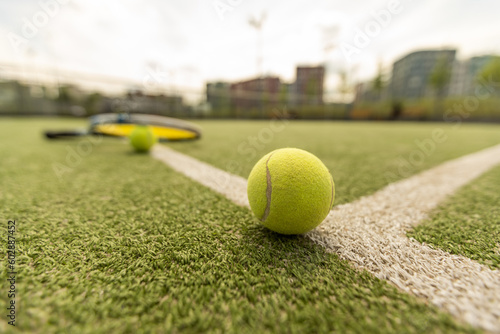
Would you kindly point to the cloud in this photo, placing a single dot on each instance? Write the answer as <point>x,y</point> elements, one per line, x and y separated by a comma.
<point>120,38</point>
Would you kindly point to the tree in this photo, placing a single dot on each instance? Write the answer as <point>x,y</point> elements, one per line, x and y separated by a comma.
<point>490,75</point>
<point>65,99</point>
<point>65,95</point>
<point>283,95</point>
<point>92,103</point>
<point>439,79</point>
<point>345,88</point>
<point>379,82</point>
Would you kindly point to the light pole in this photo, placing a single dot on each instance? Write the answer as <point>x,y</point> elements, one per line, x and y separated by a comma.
<point>257,24</point>
<point>330,34</point>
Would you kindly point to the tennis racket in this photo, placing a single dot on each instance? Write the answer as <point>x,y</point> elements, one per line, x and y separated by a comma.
<point>121,125</point>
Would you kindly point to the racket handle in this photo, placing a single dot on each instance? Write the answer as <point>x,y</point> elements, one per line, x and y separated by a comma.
<point>64,134</point>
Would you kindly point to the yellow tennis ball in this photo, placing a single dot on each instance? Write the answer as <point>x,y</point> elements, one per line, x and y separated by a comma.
<point>142,138</point>
<point>290,191</point>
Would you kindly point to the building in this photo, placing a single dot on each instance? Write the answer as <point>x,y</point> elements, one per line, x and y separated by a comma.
<point>366,92</point>
<point>287,95</point>
<point>17,98</point>
<point>465,74</point>
<point>258,96</point>
<point>411,77</point>
<point>309,85</point>
<point>137,101</point>
<point>12,95</point>
<point>219,98</point>
<point>361,91</point>
<point>411,74</point>
<point>255,95</point>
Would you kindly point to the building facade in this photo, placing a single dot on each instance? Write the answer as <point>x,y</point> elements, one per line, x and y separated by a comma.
<point>219,98</point>
<point>411,74</point>
<point>255,95</point>
<point>464,79</point>
<point>258,96</point>
<point>309,85</point>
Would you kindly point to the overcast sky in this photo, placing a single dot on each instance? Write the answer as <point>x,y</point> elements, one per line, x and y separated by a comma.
<point>191,41</point>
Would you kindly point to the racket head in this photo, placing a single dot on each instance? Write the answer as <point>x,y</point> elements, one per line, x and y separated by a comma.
<point>165,128</point>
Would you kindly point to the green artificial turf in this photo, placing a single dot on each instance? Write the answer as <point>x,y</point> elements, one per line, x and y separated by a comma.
<point>123,244</point>
<point>363,157</point>
<point>469,222</point>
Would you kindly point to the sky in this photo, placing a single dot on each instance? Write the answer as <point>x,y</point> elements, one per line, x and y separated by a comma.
<point>183,44</point>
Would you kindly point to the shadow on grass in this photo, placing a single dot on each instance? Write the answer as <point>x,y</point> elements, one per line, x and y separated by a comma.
<point>291,252</point>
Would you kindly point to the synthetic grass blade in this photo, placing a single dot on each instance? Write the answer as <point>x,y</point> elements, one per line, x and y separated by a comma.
<point>371,233</point>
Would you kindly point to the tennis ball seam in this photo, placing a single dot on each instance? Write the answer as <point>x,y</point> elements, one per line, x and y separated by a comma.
<point>269,190</point>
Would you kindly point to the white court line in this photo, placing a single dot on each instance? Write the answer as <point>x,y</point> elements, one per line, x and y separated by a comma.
<point>370,232</point>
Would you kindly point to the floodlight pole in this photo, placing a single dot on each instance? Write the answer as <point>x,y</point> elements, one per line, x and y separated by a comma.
<point>329,36</point>
<point>257,24</point>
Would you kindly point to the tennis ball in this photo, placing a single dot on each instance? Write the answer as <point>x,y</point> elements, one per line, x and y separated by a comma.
<point>142,138</point>
<point>290,191</point>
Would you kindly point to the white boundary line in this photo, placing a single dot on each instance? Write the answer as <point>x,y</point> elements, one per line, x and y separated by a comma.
<point>371,233</point>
